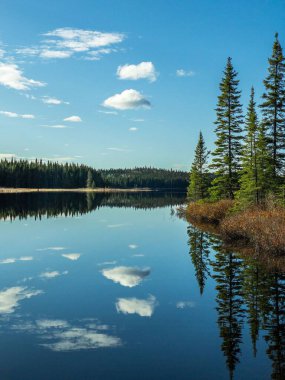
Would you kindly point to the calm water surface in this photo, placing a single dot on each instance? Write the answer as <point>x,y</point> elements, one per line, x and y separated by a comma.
<point>117,287</point>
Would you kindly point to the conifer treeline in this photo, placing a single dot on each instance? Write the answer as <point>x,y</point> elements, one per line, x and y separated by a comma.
<point>39,174</point>
<point>249,155</point>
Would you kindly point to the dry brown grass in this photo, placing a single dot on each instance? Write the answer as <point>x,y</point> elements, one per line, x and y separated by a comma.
<point>260,228</point>
<point>264,229</point>
<point>209,212</point>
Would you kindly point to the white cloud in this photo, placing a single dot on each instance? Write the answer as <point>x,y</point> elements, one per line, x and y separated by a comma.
<point>73,119</point>
<point>109,112</point>
<point>71,256</point>
<point>184,73</point>
<point>51,323</point>
<point>55,53</point>
<point>133,246</point>
<point>61,336</point>
<point>52,249</point>
<point>185,304</point>
<point>126,276</point>
<point>53,101</point>
<point>56,126</point>
<point>144,70</point>
<point>13,114</point>
<point>96,55</point>
<point>52,274</point>
<point>13,260</point>
<point>79,40</point>
<point>12,76</point>
<point>128,99</point>
<point>10,298</point>
<point>64,43</point>
<point>142,307</point>
<point>133,129</point>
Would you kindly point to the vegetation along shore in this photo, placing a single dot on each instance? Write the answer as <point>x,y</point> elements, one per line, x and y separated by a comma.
<point>241,190</point>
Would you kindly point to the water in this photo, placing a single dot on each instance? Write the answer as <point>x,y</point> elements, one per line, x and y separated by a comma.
<point>117,287</point>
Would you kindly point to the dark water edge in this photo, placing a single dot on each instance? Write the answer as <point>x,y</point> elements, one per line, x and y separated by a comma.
<point>133,292</point>
<point>38,205</point>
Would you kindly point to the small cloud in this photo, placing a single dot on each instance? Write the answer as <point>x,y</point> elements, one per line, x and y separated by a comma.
<point>12,76</point>
<point>142,307</point>
<point>16,115</point>
<point>185,304</point>
<point>56,126</point>
<point>109,112</point>
<point>133,129</point>
<point>53,101</point>
<point>52,249</point>
<point>144,70</point>
<point>133,246</point>
<point>73,119</point>
<point>128,99</point>
<point>184,73</point>
<point>126,276</point>
<point>55,54</point>
<point>52,274</point>
<point>71,256</point>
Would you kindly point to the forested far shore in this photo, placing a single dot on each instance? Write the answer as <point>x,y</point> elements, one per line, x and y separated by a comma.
<point>52,175</point>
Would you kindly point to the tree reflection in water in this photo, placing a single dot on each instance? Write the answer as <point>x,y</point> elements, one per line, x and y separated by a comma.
<point>247,292</point>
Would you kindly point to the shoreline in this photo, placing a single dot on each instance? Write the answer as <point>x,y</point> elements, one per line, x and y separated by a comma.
<point>11,190</point>
<point>263,230</point>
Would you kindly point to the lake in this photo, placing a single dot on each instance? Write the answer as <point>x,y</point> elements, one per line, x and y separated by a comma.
<point>116,286</point>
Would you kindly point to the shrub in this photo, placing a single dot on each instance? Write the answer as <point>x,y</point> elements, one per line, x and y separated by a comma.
<point>209,212</point>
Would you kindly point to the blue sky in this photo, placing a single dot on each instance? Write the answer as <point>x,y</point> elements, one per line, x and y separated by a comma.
<point>124,83</point>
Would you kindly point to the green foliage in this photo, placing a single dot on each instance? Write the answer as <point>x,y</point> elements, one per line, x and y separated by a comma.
<point>199,175</point>
<point>145,177</point>
<point>199,253</point>
<point>90,184</point>
<point>255,180</point>
<point>226,156</point>
<point>273,108</point>
<point>39,174</point>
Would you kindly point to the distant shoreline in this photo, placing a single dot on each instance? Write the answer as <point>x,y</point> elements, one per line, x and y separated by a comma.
<point>11,190</point>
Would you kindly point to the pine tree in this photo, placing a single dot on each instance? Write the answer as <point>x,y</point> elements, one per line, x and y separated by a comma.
<point>90,184</point>
<point>198,184</point>
<point>226,157</point>
<point>256,163</point>
<point>273,107</point>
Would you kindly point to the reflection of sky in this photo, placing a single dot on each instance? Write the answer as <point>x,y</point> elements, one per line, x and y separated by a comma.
<point>11,297</point>
<point>60,335</point>
<point>142,307</point>
<point>126,276</point>
<point>156,317</point>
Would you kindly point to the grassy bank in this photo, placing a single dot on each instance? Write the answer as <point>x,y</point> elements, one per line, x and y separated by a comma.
<point>260,228</point>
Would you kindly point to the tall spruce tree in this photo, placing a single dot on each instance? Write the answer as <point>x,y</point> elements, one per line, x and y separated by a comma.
<point>199,178</point>
<point>273,107</point>
<point>255,180</point>
<point>226,156</point>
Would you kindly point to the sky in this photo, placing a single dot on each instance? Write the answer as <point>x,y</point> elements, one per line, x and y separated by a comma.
<point>127,83</point>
